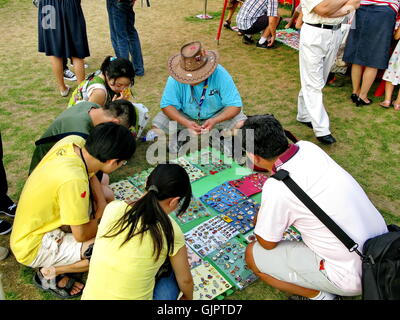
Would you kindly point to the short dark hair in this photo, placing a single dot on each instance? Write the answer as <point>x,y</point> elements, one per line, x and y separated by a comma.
<point>115,68</point>
<point>270,140</point>
<point>109,140</point>
<point>123,110</point>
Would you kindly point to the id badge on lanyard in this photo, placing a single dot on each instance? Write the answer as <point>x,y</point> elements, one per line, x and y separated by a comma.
<point>202,98</point>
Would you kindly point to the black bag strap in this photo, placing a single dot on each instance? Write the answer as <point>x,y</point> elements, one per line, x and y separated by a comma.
<point>60,136</point>
<point>283,175</point>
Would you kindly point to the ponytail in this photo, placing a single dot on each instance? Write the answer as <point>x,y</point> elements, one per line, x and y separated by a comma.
<point>165,181</point>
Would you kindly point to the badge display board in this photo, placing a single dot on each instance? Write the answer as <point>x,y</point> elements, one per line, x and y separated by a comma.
<point>251,184</point>
<point>193,172</point>
<point>208,282</point>
<point>229,259</point>
<point>242,215</point>
<point>223,197</point>
<point>124,190</point>
<point>193,216</point>
<point>209,161</point>
<point>209,236</point>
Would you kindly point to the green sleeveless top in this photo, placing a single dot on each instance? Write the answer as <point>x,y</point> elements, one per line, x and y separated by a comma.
<point>81,93</point>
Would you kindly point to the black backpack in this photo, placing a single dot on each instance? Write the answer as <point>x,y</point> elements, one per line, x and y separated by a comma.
<point>380,257</point>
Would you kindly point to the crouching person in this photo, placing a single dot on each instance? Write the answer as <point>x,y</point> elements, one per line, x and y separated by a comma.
<point>135,239</point>
<point>57,196</point>
<point>320,267</point>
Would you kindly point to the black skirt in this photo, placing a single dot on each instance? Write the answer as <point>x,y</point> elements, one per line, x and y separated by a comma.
<point>62,29</point>
<point>369,43</point>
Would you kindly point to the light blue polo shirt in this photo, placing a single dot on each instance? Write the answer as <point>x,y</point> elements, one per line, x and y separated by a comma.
<point>221,93</point>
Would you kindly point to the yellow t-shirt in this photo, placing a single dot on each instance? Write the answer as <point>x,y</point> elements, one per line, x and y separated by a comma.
<point>55,194</point>
<point>127,272</point>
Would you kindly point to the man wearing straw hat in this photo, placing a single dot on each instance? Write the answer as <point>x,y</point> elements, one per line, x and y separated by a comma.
<point>199,95</point>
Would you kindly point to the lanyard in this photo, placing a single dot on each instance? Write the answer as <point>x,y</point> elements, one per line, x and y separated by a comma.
<point>202,98</point>
<point>87,171</point>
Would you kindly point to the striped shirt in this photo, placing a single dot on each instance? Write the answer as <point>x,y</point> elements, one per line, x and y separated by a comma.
<point>251,10</point>
<point>394,4</point>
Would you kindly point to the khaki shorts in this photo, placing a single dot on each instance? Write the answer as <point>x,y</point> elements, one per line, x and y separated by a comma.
<point>294,262</point>
<point>57,249</point>
<point>162,122</point>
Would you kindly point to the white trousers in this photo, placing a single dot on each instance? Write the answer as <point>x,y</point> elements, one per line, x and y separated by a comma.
<point>317,54</point>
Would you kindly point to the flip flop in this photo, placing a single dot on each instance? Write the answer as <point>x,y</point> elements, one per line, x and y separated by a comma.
<point>385,104</point>
<point>51,285</point>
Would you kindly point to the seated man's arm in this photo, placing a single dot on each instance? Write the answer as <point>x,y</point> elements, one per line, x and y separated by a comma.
<point>98,197</point>
<point>172,113</point>
<point>228,113</point>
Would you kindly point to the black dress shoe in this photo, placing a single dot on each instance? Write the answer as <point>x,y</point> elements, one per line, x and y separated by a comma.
<point>308,124</point>
<point>354,97</point>
<point>247,40</point>
<point>328,139</point>
<point>361,102</point>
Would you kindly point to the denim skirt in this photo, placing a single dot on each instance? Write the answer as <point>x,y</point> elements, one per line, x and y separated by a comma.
<point>369,42</point>
<point>62,29</point>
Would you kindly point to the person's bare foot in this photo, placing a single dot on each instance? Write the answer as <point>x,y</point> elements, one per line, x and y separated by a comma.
<point>77,287</point>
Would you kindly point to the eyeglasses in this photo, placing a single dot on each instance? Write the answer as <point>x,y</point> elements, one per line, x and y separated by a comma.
<point>124,162</point>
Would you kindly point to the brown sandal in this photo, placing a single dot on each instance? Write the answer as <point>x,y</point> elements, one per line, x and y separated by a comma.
<point>385,104</point>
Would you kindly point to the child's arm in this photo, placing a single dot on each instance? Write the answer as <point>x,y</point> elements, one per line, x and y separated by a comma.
<point>397,34</point>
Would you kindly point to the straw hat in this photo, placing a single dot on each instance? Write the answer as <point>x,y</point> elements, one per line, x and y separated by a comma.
<point>193,64</point>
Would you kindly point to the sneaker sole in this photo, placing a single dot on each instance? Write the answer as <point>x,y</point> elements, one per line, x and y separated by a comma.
<point>6,232</point>
<point>7,214</point>
<point>68,79</point>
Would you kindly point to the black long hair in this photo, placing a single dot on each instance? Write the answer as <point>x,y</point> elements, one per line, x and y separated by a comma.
<point>165,181</point>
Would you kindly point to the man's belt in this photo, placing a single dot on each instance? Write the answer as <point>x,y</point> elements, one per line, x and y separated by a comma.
<point>325,26</point>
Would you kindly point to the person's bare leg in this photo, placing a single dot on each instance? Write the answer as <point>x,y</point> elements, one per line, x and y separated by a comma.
<point>58,71</point>
<point>231,12</point>
<point>80,266</point>
<point>79,68</point>
<point>368,79</point>
<point>356,75</point>
<point>273,282</point>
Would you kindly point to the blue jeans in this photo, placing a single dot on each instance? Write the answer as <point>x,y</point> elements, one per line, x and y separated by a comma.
<point>166,288</point>
<point>124,37</point>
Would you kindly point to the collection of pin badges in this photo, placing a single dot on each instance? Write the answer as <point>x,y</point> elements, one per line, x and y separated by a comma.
<point>139,179</point>
<point>242,215</point>
<point>193,172</point>
<point>208,162</point>
<point>290,234</point>
<point>193,258</point>
<point>289,37</point>
<point>195,211</point>
<point>210,235</point>
<point>223,197</point>
<point>230,260</point>
<point>208,282</point>
<point>124,190</point>
<point>250,184</point>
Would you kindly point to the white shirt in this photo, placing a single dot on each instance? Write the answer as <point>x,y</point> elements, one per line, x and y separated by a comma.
<point>309,16</point>
<point>339,195</point>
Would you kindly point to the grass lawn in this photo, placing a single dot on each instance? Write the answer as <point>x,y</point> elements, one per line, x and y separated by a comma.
<point>268,80</point>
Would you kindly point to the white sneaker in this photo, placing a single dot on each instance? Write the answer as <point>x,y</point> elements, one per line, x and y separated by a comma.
<point>66,92</point>
<point>69,75</point>
<point>3,253</point>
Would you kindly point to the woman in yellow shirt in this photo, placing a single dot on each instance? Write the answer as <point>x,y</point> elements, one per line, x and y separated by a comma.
<point>134,241</point>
